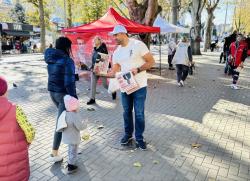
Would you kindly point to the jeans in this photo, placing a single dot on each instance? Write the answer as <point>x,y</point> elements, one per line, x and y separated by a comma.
<point>57,99</point>
<point>94,79</point>
<point>182,72</point>
<point>135,100</point>
<point>235,74</point>
<point>72,154</point>
<point>227,67</point>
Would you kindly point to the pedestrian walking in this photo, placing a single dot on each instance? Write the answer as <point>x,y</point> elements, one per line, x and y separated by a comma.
<point>61,81</point>
<point>228,41</point>
<point>132,55</point>
<point>70,124</point>
<point>16,136</point>
<point>183,60</point>
<point>99,47</point>
<point>171,52</point>
<point>237,56</point>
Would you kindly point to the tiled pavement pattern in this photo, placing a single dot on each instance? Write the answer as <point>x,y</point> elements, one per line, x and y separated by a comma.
<point>206,111</point>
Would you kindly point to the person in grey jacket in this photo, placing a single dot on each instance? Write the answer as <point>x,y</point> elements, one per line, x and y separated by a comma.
<point>70,123</point>
<point>183,59</point>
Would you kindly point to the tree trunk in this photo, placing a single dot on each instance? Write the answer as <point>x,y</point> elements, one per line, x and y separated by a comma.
<point>174,11</point>
<point>197,7</point>
<point>69,9</point>
<point>42,25</point>
<point>208,31</point>
<point>144,13</point>
<point>174,16</point>
<point>210,7</point>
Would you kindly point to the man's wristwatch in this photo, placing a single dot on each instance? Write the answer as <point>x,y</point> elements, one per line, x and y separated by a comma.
<point>138,70</point>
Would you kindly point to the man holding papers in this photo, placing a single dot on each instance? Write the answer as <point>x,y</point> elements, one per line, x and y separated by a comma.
<point>132,58</point>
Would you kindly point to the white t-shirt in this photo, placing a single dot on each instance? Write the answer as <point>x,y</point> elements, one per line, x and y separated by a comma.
<point>130,57</point>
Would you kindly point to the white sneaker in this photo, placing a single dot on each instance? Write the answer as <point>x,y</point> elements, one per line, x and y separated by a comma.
<point>179,84</point>
<point>182,83</point>
<point>234,86</point>
<point>55,159</point>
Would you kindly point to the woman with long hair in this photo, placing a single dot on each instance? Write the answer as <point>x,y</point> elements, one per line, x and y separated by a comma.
<point>61,81</point>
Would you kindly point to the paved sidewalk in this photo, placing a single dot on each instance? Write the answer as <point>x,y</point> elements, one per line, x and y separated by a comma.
<point>206,111</point>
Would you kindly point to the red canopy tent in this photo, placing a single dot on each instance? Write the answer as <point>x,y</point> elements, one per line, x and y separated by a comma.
<point>107,23</point>
<point>101,27</point>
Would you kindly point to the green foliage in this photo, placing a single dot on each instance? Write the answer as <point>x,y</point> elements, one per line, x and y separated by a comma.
<point>32,13</point>
<point>4,17</point>
<point>85,11</point>
<point>17,14</point>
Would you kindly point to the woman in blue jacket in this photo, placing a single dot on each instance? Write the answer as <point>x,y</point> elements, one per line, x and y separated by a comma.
<point>61,81</point>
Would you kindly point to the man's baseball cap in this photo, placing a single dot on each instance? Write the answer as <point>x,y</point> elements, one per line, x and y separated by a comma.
<point>118,29</point>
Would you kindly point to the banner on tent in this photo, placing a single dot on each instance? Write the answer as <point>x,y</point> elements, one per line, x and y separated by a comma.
<point>83,45</point>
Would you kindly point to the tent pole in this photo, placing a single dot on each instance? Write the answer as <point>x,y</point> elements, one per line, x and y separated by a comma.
<point>160,50</point>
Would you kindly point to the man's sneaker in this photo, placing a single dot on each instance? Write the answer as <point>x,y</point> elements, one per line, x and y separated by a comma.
<point>114,95</point>
<point>179,84</point>
<point>182,83</point>
<point>126,139</point>
<point>55,159</point>
<point>171,68</point>
<point>141,145</point>
<point>234,86</point>
<point>91,101</point>
<point>71,168</point>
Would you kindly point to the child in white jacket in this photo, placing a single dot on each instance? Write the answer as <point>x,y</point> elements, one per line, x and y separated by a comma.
<point>70,123</point>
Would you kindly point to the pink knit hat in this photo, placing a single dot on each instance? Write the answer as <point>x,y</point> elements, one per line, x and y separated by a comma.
<point>71,103</point>
<point>3,86</point>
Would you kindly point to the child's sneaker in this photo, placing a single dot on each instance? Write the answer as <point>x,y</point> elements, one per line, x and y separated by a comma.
<point>142,145</point>
<point>71,168</point>
<point>55,159</point>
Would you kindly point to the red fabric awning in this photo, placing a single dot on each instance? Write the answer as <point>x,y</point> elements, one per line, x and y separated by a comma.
<point>107,23</point>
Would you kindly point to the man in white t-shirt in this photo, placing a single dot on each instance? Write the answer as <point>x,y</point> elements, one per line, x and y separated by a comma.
<point>132,55</point>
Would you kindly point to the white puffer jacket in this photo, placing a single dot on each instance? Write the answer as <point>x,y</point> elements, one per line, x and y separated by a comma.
<point>181,54</point>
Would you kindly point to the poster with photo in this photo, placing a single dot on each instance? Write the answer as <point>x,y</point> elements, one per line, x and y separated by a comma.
<point>127,82</point>
<point>102,65</point>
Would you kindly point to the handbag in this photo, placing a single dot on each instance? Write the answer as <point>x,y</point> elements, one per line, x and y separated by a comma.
<point>231,60</point>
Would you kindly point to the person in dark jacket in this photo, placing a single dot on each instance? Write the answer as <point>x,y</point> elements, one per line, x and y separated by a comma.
<point>61,81</point>
<point>100,47</point>
<point>228,41</point>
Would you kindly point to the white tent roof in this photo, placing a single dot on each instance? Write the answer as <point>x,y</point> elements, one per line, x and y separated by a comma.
<point>167,27</point>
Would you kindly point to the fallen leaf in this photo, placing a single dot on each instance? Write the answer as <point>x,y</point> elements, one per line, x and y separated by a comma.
<point>211,179</point>
<point>156,162</point>
<point>137,164</point>
<point>85,137</point>
<point>100,127</point>
<point>196,145</point>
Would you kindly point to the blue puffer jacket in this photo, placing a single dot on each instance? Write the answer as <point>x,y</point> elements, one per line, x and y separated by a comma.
<point>61,71</point>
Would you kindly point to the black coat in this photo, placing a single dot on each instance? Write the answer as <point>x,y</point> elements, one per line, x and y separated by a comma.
<point>100,49</point>
<point>61,72</point>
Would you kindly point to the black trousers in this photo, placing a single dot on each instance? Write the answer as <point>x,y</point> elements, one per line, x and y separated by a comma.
<point>182,72</point>
<point>170,58</point>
